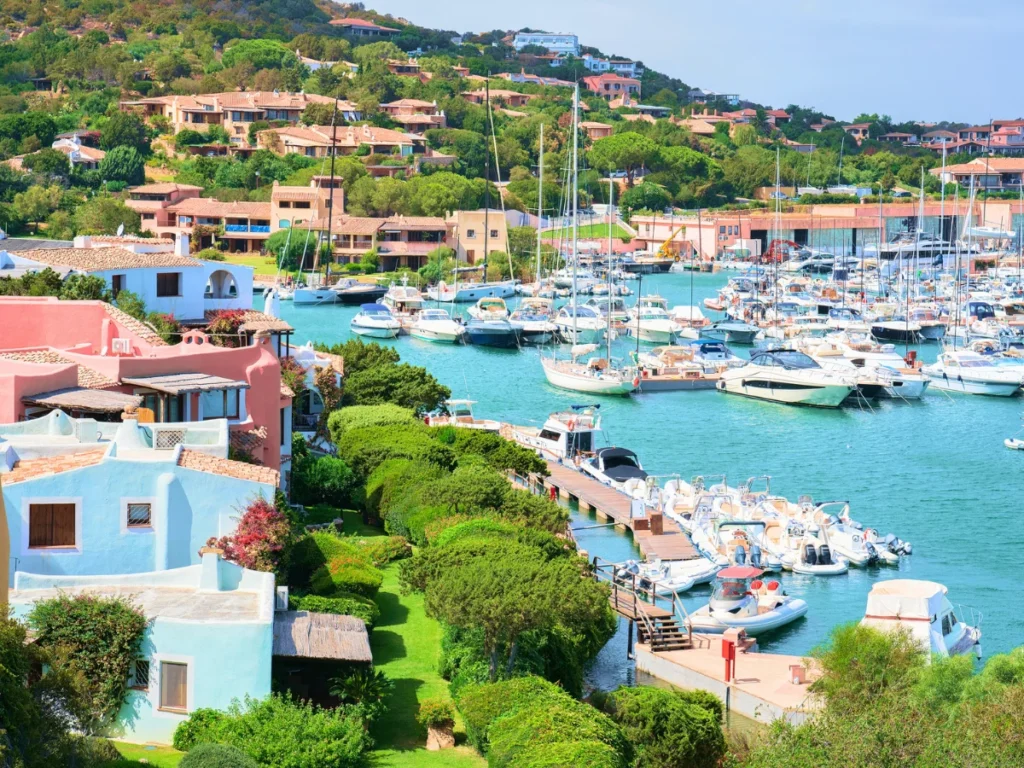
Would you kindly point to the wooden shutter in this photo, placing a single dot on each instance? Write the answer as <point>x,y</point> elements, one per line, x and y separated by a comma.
<point>51,525</point>
<point>173,685</point>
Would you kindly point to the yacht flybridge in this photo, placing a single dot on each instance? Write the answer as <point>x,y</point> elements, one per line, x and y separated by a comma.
<point>565,434</point>
<point>922,609</point>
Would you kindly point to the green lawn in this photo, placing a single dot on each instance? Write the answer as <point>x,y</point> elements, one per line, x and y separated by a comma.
<point>263,265</point>
<point>161,757</point>
<point>405,646</point>
<point>599,231</point>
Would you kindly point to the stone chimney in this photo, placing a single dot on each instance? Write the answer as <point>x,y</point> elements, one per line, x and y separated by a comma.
<point>181,245</point>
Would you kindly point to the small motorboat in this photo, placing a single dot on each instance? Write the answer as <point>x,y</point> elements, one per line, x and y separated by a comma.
<point>666,578</point>
<point>971,373</point>
<point>489,308</point>
<point>805,549</point>
<point>614,466</point>
<point>460,414</point>
<point>731,332</point>
<point>375,321</point>
<point>532,321</point>
<point>741,600</point>
<point>492,332</point>
<point>1014,443</point>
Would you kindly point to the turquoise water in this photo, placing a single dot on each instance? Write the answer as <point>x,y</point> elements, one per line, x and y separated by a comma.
<point>934,472</point>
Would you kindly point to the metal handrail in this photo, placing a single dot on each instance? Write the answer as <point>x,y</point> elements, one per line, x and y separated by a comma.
<point>607,572</point>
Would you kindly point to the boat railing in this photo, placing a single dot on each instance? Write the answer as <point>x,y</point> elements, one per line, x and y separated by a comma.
<point>968,615</point>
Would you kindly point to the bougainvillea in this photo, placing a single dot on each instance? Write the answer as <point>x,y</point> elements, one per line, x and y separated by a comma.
<point>261,540</point>
<point>327,385</point>
<point>293,375</point>
<point>224,328</point>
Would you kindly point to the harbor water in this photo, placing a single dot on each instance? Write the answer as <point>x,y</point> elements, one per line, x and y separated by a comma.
<point>934,472</point>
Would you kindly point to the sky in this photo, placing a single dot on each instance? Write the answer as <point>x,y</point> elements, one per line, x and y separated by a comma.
<point>844,57</point>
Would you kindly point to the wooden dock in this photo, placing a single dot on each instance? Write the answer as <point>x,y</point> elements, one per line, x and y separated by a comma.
<point>608,503</point>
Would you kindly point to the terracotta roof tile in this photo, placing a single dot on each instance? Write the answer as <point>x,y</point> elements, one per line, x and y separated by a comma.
<point>253,320</point>
<point>29,469</point>
<point>204,206</point>
<point>87,377</point>
<point>139,328</point>
<point>100,259</point>
<point>248,441</point>
<point>203,462</point>
<point>163,188</point>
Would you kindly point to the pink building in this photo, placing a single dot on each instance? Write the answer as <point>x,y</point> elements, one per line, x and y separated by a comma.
<point>88,358</point>
<point>610,85</point>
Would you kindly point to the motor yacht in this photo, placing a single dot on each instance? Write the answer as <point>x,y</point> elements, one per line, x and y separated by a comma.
<point>974,374</point>
<point>922,609</point>
<point>564,434</point>
<point>666,369</point>
<point>404,301</point>
<point>579,324</point>
<point>731,332</point>
<point>437,325</point>
<point>899,330</point>
<point>492,332</point>
<point>847,319</point>
<point>375,321</point>
<point>904,379</point>
<point>609,305</point>
<point>470,292</point>
<point>929,320</point>
<point>652,325</point>
<point>741,600</point>
<point>787,376</point>
<point>489,308</point>
<point>532,321</point>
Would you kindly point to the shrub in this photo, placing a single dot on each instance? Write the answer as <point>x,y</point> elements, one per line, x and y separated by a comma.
<point>485,527</point>
<point>217,756</point>
<point>381,550</point>
<point>366,448</point>
<point>436,713</point>
<point>340,603</point>
<point>262,539</point>
<point>364,687</point>
<point>347,573</point>
<point>482,705</point>
<point>667,728</point>
<point>197,728</point>
<point>538,724</point>
<point>390,483</point>
<point>97,638</point>
<point>568,754</point>
<point>536,511</point>
<point>282,732</point>
<point>324,480</point>
<point>212,254</point>
<point>315,550</point>
<point>358,416</point>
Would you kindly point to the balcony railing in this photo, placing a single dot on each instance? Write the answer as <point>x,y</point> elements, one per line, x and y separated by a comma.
<point>257,228</point>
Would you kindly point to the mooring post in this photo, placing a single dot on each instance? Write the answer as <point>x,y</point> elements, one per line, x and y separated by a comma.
<point>629,640</point>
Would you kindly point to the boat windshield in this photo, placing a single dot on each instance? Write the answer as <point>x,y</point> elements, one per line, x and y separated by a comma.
<point>578,311</point>
<point>730,589</point>
<point>784,358</point>
<point>433,314</point>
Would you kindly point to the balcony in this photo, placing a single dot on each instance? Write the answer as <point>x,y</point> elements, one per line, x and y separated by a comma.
<point>253,228</point>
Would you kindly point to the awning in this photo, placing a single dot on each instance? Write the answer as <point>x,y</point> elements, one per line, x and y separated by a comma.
<point>305,635</point>
<point>84,399</point>
<point>183,383</point>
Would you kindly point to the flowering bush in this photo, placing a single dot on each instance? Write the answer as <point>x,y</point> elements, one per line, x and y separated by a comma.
<point>261,540</point>
<point>293,375</point>
<point>224,328</point>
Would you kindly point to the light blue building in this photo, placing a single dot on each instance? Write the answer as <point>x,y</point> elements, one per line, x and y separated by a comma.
<point>209,640</point>
<point>86,497</point>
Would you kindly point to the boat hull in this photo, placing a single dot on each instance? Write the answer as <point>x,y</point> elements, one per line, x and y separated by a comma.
<point>909,335</point>
<point>374,333</point>
<point>594,385</point>
<point>730,335</point>
<point>436,336</point>
<point>827,396</point>
<point>314,296</point>
<point>972,387</point>
<point>704,620</point>
<point>501,338</point>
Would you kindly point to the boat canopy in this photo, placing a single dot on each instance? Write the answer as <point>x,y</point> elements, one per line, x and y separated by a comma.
<point>740,572</point>
<point>368,308</point>
<point>907,599</point>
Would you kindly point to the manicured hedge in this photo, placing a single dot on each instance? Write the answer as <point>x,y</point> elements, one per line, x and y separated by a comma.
<point>487,527</point>
<point>346,573</point>
<point>217,756</point>
<point>315,550</point>
<point>366,448</point>
<point>481,705</point>
<point>571,754</point>
<point>342,604</point>
<point>359,416</point>
<point>543,723</point>
<point>381,550</point>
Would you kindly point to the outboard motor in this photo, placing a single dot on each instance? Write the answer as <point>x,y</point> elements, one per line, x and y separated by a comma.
<point>755,556</point>
<point>872,552</point>
<point>740,555</point>
<point>810,556</point>
<point>907,548</point>
<point>824,555</point>
<point>891,543</point>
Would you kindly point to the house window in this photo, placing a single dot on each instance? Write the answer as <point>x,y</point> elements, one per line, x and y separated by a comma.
<point>222,404</point>
<point>470,233</point>
<point>140,515</point>
<point>51,525</point>
<point>721,230</point>
<point>139,679</point>
<point>116,284</point>
<point>174,686</point>
<point>168,284</point>
<point>494,233</point>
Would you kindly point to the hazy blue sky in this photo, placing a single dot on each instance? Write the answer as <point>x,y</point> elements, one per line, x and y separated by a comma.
<point>895,57</point>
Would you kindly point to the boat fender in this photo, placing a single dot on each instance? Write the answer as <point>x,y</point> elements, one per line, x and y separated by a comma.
<point>755,585</point>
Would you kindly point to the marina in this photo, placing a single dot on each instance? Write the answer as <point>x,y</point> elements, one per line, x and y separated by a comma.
<point>894,461</point>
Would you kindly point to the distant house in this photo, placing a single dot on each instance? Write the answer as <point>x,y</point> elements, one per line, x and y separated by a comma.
<point>899,137</point>
<point>408,68</point>
<point>152,202</point>
<point>363,28</point>
<point>78,154</point>
<point>700,96</point>
<point>939,137</point>
<point>478,234</point>
<point>415,115</point>
<point>524,77</point>
<point>974,133</point>
<point>596,130</point>
<point>317,140</point>
<point>556,43</point>
<point>858,131</point>
<point>991,173</point>
<point>610,86</point>
<point>623,67</point>
<point>509,98</point>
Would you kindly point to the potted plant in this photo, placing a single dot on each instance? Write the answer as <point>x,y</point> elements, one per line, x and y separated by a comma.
<point>438,717</point>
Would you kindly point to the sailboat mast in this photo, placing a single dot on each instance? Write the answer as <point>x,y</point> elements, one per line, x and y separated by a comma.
<point>575,202</point>
<point>330,193</point>
<point>487,169</point>
<point>540,200</point>
<point>611,214</point>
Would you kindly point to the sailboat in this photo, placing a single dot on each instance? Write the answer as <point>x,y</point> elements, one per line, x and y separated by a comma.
<point>597,375</point>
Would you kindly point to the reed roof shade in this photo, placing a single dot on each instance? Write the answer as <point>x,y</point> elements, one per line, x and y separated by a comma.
<point>84,399</point>
<point>183,383</point>
<point>305,635</point>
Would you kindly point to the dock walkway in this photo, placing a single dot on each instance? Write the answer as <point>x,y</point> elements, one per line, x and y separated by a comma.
<point>671,544</point>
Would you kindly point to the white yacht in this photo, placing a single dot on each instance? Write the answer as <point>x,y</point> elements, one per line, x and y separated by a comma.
<point>489,308</point>
<point>405,302</point>
<point>579,324</point>
<point>437,325</point>
<point>469,292</point>
<point>532,321</point>
<point>375,321</point>
<point>614,466</point>
<point>666,577</point>
<point>922,609</point>
<point>564,434</point>
<point>597,376</point>
<point>460,414</point>
<point>974,374</point>
<point>787,376</point>
<point>652,324</point>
